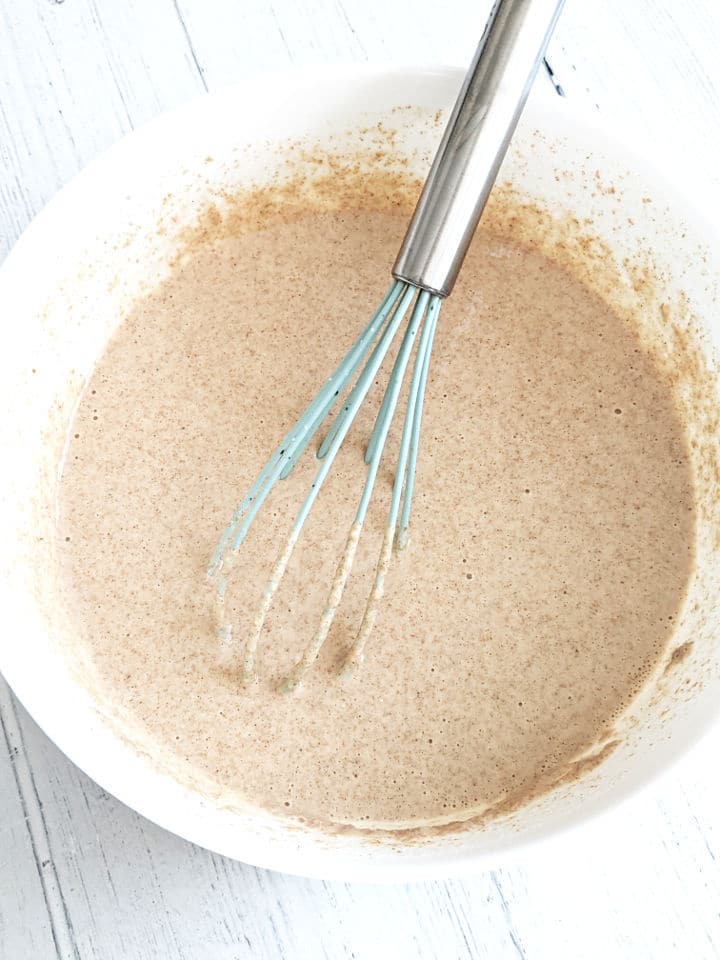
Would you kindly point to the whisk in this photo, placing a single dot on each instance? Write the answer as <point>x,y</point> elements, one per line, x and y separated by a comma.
<point>462,174</point>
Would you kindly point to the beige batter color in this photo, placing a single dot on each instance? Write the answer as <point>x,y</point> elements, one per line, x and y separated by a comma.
<point>551,540</point>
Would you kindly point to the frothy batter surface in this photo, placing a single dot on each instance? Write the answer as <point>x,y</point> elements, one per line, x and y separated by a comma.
<point>551,539</point>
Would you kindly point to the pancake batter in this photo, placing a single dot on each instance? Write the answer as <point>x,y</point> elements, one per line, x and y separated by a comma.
<point>550,545</point>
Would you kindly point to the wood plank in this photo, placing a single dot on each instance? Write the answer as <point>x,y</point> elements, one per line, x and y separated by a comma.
<point>75,78</point>
<point>272,35</point>
<point>652,69</point>
<point>33,921</point>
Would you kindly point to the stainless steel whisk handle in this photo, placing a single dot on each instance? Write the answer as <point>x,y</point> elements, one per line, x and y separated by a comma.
<point>475,142</point>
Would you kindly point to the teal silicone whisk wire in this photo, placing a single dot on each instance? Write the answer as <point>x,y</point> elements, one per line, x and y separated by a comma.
<point>367,355</point>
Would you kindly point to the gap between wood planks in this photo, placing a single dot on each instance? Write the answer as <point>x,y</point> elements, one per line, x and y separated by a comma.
<point>60,923</point>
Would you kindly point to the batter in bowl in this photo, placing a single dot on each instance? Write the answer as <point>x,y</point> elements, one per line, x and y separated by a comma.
<point>551,543</point>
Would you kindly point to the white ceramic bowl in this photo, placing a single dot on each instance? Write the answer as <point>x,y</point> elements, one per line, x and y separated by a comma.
<point>81,262</point>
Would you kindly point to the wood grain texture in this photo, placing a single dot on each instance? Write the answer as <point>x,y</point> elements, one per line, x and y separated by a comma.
<point>26,924</point>
<point>652,68</point>
<point>82,876</point>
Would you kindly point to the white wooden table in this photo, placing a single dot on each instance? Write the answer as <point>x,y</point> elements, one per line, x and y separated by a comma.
<point>82,876</point>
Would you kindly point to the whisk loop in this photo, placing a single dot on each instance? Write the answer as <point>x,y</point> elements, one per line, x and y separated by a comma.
<point>371,347</point>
